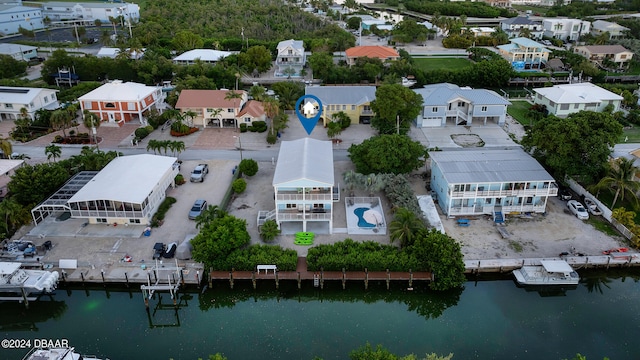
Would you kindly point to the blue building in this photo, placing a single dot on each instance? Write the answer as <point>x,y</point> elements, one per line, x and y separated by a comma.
<point>448,104</point>
<point>12,17</point>
<point>476,182</point>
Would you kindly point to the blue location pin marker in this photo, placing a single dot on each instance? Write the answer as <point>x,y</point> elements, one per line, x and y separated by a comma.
<point>309,123</point>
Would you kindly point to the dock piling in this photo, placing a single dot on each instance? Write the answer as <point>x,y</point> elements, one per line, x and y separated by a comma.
<point>277,282</point>
<point>126,279</point>
<point>64,276</point>
<point>231,278</point>
<point>344,279</point>
<point>102,275</point>
<point>322,278</point>
<point>82,277</point>
<point>299,281</point>
<point>388,278</point>
<point>410,278</point>
<point>253,279</point>
<point>366,279</point>
<point>210,278</point>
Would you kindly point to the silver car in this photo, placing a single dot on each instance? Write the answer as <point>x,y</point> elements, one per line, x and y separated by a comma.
<point>198,207</point>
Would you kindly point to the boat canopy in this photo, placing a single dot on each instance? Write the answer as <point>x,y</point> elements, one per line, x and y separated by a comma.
<point>556,266</point>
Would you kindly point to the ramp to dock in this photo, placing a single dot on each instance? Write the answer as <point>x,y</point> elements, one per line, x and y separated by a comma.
<point>502,229</point>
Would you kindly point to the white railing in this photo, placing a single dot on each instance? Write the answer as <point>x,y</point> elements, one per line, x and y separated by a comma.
<point>503,193</point>
<point>303,197</point>
<point>304,216</point>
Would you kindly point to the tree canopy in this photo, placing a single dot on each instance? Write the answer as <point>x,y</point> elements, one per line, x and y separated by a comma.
<point>31,184</point>
<point>442,256</point>
<point>393,100</point>
<point>578,145</point>
<point>387,154</point>
<point>218,238</point>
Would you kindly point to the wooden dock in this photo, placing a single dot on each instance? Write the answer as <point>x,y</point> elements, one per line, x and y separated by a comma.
<point>577,262</point>
<point>319,277</point>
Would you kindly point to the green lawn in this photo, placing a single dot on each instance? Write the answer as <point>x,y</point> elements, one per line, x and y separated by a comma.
<point>428,64</point>
<point>630,135</point>
<point>518,110</point>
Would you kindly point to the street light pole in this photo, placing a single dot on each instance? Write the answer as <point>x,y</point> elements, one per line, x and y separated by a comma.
<point>240,145</point>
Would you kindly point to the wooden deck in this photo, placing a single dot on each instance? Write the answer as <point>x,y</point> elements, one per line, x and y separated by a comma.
<point>577,262</point>
<point>319,277</point>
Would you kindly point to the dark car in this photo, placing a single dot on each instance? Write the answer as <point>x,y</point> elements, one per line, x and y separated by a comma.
<point>171,251</point>
<point>564,193</point>
<point>158,250</point>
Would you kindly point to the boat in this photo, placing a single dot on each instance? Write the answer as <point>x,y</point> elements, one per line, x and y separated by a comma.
<point>549,272</point>
<point>17,283</point>
<point>615,251</point>
<point>406,82</point>
<point>56,353</point>
<point>592,207</point>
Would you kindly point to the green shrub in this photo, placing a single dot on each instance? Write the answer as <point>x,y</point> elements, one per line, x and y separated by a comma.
<point>180,127</point>
<point>141,133</point>
<point>149,128</point>
<point>271,138</point>
<point>162,211</point>
<point>246,259</point>
<point>354,256</point>
<point>259,126</point>
<point>269,230</point>
<point>239,186</point>
<point>243,128</point>
<point>179,179</point>
<point>248,167</point>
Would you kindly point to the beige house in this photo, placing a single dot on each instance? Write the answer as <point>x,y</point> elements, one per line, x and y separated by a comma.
<point>212,107</point>
<point>355,101</point>
<point>598,53</point>
<point>615,31</point>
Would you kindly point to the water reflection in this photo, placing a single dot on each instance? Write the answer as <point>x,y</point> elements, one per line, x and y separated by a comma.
<point>16,317</point>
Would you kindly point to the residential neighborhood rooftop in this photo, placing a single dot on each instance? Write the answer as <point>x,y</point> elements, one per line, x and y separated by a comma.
<point>489,166</point>
<point>605,49</point>
<point>438,94</point>
<point>356,95</point>
<point>577,93</point>
<point>19,95</point>
<point>305,158</point>
<point>206,98</point>
<point>381,52</point>
<point>118,90</point>
<point>206,55</point>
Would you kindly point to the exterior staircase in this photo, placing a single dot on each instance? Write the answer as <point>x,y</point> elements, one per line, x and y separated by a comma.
<point>264,215</point>
<point>498,218</point>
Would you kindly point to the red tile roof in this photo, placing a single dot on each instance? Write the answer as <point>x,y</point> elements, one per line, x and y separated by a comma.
<point>380,52</point>
<point>206,99</point>
<point>253,108</point>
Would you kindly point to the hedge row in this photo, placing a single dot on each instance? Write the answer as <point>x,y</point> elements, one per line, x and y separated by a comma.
<point>354,256</point>
<point>247,258</point>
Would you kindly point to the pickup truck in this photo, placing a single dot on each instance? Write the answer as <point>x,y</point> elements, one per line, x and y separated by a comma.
<point>198,174</point>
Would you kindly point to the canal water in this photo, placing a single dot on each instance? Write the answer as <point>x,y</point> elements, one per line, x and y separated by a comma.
<point>487,320</point>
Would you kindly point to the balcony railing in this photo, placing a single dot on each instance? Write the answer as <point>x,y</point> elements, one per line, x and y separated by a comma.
<point>295,216</point>
<point>314,195</point>
<point>552,191</point>
<point>478,209</point>
<point>457,113</point>
<point>129,214</point>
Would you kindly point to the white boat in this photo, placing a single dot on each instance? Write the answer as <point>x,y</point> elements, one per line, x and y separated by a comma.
<point>549,272</point>
<point>21,283</point>
<point>62,353</point>
<point>408,82</point>
<point>592,207</point>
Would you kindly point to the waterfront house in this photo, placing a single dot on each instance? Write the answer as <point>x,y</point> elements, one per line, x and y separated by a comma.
<point>615,31</point>
<point>14,99</point>
<point>303,184</point>
<point>563,100</point>
<point>565,29</point>
<point>128,190</point>
<point>523,53</point>
<point>355,101</point>
<point>89,12</point>
<point>448,104</point>
<point>513,26</point>
<point>493,182</point>
<point>598,54</point>
<point>379,52</point>
<point>290,59</point>
<point>213,108</point>
<point>117,102</point>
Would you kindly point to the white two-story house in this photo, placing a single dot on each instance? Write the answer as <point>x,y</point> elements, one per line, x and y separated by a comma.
<point>513,26</point>
<point>304,187</point>
<point>523,53</point>
<point>563,100</point>
<point>493,182</point>
<point>448,104</point>
<point>566,29</point>
<point>14,99</point>
<point>291,58</point>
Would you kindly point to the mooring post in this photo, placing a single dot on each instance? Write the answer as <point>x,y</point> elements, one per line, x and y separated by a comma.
<point>146,298</point>
<point>149,277</point>
<point>102,274</point>
<point>366,279</point>
<point>210,277</point>
<point>231,278</point>
<point>253,279</point>
<point>24,297</point>
<point>277,282</point>
<point>608,262</point>
<point>82,277</point>
<point>388,278</point>
<point>198,278</point>
<point>322,277</point>
<point>182,276</point>
<point>155,275</point>
<point>64,276</point>
<point>299,283</point>
<point>410,278</point>
<point>344,279</point>
<point>126,279</point>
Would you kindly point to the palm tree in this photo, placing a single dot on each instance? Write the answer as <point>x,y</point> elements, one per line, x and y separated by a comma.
<point>208,215</point>
<point>177,147</point>
<point>6,147</point>
<point>621,178</point>
<point>404,227</point>
<point>215,113</point>
<point>271,109</point>
<point>60,119</point>
<point>154,145</point>
<point>92,122</point>
<point>189,116</point>
<point>233,95</point>
<point>53,151</point>
<point>257,92</point>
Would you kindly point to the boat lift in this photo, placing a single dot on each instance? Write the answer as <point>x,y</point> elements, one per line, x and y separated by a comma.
<point>170,284</point>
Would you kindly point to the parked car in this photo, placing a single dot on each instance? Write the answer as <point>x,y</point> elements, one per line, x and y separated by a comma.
<point>198,174</point>
<point>592,207</point>
<point>158,250</point>
<point>577,209</point>
<point>198,207</point>
<point>564,193</point>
